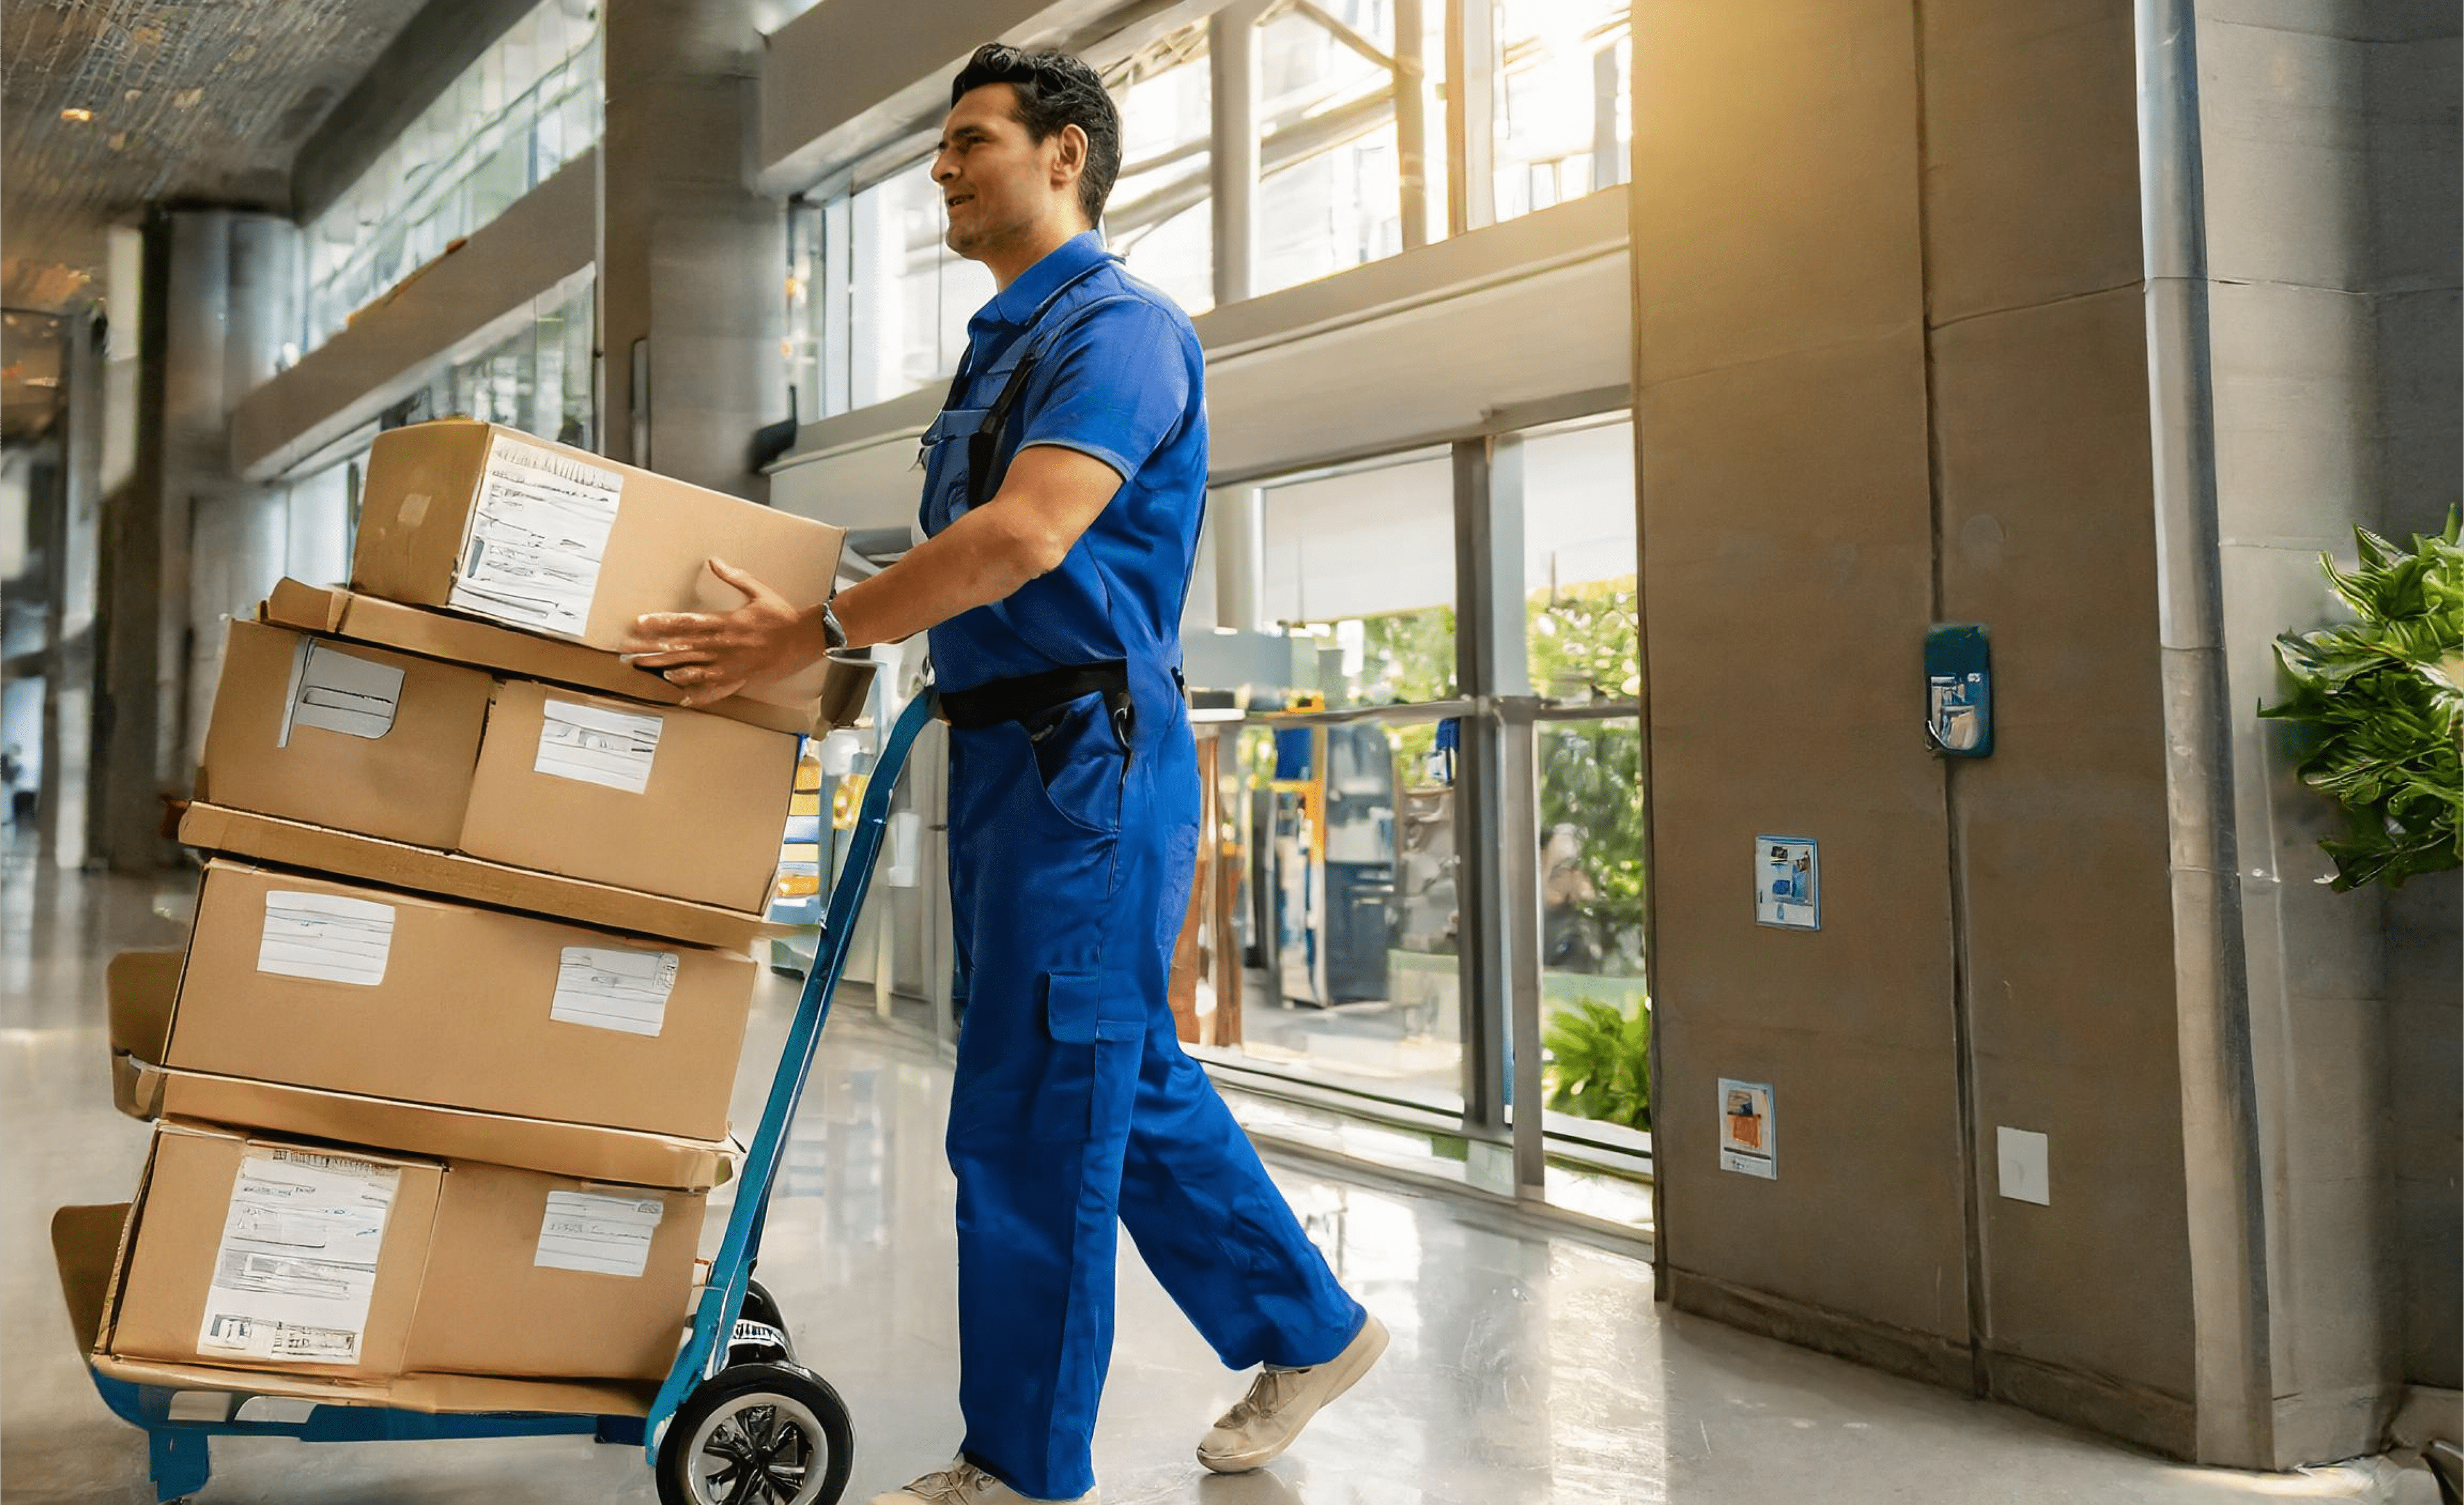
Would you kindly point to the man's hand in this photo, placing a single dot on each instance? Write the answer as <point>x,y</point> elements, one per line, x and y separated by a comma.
<point>713,654</point>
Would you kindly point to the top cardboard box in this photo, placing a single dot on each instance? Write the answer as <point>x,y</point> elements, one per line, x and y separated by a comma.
<point>336,612</point>
<point>489,521</point>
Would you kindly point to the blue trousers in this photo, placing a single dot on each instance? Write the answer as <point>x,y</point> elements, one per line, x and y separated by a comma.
<point>1075,1112</point>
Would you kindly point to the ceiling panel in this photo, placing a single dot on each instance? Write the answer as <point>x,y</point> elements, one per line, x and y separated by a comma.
<point>197,101</point>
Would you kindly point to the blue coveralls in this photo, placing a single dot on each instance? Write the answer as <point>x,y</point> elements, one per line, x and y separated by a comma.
<point>1071,857</point>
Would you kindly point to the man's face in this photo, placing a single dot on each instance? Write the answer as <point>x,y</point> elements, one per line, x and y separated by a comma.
<point>998,184</point>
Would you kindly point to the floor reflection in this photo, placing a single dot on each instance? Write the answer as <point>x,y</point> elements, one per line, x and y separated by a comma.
<point>1525,1369</point>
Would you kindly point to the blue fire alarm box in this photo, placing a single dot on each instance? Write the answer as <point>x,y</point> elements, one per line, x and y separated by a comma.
<point>1958,690</point>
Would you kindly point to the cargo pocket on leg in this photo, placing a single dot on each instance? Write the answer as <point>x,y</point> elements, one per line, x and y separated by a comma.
<point>1094,1075</point>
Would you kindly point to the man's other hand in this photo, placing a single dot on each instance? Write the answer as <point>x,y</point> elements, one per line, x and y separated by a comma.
<point>712,655</point>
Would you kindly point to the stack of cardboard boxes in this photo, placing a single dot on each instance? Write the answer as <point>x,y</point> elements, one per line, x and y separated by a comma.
<point>440,1080</point>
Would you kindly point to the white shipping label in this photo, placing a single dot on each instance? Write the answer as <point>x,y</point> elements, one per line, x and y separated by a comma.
<point>298,1264</point>
<point>340,693</point>
<point>598,1235</point>
<point>325,937</point>
<point>612,987</point>
<point>612,748</point>
<point>537,536</point>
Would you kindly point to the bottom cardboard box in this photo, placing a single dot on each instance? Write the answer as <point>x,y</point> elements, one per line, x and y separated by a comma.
<point>85,1241</point>
<point>252,1251</point>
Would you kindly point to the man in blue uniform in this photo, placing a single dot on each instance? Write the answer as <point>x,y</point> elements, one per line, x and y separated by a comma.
<point>1064,483</point>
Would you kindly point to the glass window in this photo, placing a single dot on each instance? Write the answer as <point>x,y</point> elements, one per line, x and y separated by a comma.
<point>1579,572</point>
<point>1361,562</point>
<point>1349,907</point>
<point>1563,108</point>
<point>1347,829</point>
<point>527,106</point>
<point>1158,217</point>
<point>1579,563</point>
<point>537,379</point>
<point>1333,192</point>
<point>909,295</point>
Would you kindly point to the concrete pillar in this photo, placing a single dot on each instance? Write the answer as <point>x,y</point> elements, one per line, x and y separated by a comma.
<point>238,530</point>
<point>178,448</point>
<point>691,263</point>
<point>195,460</point>
<point>68,683</point>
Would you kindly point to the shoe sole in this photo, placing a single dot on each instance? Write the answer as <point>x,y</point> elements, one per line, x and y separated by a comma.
<point>1353,1362</point>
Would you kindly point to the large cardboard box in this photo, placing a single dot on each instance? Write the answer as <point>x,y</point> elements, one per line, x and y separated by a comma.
<point>669,801</point>
<point>335,612</point>
<point>311,980</point>
<point>269,838</point>
<point>660,799</point>
<point>86,1245</point>
<point>499,524</point>
<point>344,735</point>
<point>252,1251</point>
<point>143,987</point>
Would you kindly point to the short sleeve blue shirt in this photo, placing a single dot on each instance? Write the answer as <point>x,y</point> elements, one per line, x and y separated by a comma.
<point>1118,375</point>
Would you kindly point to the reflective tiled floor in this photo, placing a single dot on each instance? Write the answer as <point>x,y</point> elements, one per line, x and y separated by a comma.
<point>1524,1369</point>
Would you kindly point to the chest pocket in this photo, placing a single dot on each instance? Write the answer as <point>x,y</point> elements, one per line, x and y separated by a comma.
<point>948,476</point>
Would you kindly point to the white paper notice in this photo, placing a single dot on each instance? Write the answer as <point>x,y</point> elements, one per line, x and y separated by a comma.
<point>610,987</point>
<point>598,1235</point>
<point>340,693</point>
<point>325,937</point>
<point>613,748</point>
<point>297,1263</point>
<point>537,536</point>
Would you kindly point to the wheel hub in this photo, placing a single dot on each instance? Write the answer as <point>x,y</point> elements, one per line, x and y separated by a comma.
<point>763,1449</point>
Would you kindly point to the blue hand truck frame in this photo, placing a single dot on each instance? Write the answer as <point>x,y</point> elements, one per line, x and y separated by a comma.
<point>749,1414</point>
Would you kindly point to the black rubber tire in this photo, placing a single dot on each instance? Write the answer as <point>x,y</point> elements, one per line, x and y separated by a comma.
<point>761,1306</point>
<point>773,1416</point>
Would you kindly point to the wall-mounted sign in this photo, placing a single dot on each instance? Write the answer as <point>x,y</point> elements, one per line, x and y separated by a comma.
<point>1788,883</point>
<point>1749,1137</point>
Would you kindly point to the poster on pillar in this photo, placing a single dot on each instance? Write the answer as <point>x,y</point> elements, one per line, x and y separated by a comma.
<point>1788,883</point>
<point>1748,1136</point>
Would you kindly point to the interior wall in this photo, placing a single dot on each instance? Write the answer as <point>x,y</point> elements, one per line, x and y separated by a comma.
<point>2039,343</point>
<point>1786,514</point>
<point>1893,369</point>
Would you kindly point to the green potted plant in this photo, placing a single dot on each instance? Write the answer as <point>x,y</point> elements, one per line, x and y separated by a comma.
<point>2380,705</point>
<point>1599,1063</point>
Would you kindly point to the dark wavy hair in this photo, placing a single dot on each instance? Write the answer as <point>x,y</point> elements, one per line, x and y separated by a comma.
<point>1053,90</point>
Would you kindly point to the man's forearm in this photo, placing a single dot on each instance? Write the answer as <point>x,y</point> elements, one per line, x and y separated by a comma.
<point>975,561</point>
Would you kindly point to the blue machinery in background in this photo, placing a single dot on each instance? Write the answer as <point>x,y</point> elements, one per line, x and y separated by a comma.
<point>739,1421</point>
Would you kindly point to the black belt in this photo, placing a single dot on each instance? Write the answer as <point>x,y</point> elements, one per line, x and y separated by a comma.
<point>1016,699</point>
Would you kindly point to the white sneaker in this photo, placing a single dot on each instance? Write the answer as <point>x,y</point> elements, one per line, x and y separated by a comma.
<point>1281,1402</point>
<point>962,1483</point>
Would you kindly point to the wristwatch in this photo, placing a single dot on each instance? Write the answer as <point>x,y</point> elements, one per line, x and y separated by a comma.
<point>833,635</point>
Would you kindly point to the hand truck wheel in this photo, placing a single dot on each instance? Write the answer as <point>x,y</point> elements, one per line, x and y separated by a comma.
<point>758,1434</point>
<point>761,1334</point>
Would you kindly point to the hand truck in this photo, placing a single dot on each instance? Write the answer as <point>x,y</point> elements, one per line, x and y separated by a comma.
<point>739,1421</point>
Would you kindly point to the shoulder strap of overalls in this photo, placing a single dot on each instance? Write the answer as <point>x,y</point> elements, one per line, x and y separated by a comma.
<point>984,444</point>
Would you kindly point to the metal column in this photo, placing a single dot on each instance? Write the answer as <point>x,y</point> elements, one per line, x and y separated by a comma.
<point>2230,1279</point>
<point>1471,115</point>
<point>1499,880</point>
<point>1412,119</point>
<point>1237,523</point>
<point>1234,159</point>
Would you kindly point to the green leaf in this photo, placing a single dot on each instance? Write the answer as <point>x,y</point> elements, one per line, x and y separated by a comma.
<point>2377,707</point>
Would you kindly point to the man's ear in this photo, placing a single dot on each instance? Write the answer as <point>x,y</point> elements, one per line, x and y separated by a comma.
<point>1070,162</point>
